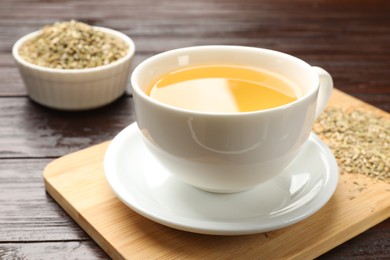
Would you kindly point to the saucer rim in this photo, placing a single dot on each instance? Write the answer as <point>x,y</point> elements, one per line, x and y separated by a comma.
<point>212,227</point>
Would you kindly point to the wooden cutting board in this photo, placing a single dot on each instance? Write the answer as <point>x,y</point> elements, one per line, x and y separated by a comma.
<point>76,181</point>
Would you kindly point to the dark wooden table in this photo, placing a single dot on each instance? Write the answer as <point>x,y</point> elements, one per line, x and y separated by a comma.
<point>350,39</point>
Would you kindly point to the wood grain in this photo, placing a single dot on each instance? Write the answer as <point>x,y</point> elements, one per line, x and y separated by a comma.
<point>27,213</point>
<point>77,183</point>
<point>348,38</point>
<point>52,250</point>
<point>29,130</point>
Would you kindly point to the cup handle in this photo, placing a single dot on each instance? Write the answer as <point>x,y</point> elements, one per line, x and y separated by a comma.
<point>325,89</point>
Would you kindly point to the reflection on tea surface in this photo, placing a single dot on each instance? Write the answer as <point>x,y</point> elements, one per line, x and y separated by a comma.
<point>223,89</point>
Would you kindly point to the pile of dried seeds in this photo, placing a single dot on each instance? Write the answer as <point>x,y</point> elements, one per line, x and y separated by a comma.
<point>72,45</point>
<point>360,141</point>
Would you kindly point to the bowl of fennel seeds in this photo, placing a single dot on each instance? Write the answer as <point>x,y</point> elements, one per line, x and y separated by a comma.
<point>74,66</point>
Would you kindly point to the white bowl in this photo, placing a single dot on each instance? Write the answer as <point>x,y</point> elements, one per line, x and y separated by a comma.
<point>75,89</point>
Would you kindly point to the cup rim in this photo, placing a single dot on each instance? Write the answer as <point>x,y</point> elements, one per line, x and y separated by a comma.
<point>137,89</point>
<point>120,35</point>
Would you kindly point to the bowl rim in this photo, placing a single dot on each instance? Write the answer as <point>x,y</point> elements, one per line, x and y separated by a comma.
<point>120,35</point>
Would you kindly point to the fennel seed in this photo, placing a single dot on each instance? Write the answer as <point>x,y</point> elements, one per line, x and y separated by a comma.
<point>360,141</point>
<point>72,45</point>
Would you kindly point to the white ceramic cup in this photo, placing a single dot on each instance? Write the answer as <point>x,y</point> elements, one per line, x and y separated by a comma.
<point>228,152</point>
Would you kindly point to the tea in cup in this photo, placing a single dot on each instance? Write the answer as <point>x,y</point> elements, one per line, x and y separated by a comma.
<point>227,118</point>
<point>223,89</point>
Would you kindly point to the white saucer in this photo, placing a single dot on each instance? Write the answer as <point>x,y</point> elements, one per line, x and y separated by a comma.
<point>146,187</point>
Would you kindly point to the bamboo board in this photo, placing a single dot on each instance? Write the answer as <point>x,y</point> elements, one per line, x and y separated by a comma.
<point>76,181</point>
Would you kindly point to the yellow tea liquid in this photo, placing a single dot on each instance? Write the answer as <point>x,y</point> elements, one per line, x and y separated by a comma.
<point>223,89</point>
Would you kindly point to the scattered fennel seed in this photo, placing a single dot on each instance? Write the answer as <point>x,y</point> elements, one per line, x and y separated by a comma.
<point>359,140</point>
